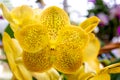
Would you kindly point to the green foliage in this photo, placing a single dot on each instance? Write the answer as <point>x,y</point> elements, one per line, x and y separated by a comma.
<point>34,78</point>
<point>115,76</point>
<point>4,60</point>
<point>0,36</point>
<point>9,31</point>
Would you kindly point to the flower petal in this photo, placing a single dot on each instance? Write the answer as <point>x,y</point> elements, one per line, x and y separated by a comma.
<point>54,19</point>
<point>103,76</point>
<point>40,61</point>
<point>22,15</point>
<point>25,73</point>
<point>89,24</point>
<point>32,38</point>
<point>7,15</point>
<point>10,55</point>
<point>41,76</point>
<point>53,74</point>
<point>92,49</point>
<point>92,66</point>
<point>6,12</point>
<point>114,68</point>
<point>71,42</point>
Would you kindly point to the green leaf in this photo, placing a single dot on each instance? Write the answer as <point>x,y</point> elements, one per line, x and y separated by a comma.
<point>0,36</point>
<point>4,60</point>
<point>34,78</point>
<point>9,31</point>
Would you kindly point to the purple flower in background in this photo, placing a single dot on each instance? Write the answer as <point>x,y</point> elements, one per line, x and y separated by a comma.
<point>92,1</point>
<point>104,19</point>
<point>115,12</point>
<point>118,30</point>
<point>1,17</point>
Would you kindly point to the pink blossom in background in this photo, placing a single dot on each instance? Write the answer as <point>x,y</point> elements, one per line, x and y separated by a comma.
<point>104,19</point>
<point>92,1</point>
<point>1,17</point>
<point>118,30</point>
<point>115,12</point>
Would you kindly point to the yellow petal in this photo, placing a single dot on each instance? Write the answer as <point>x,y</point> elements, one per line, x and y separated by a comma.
<point>89,24</point>
<point>54,19</point>
<point>53,74</point>
<point>13,78</point>
<point>17,50</point>
<point>77,75</point>
<point>114,68</point>
<point>86,76</point>
<point>9,50</point>
<point>92,66</point>
<point>6,12</point>
<point>25,73</point>
<point>71,42</point>
<point>32,38</point>
<point>22,15</point>
<point>103,76</point>
<point>91,51</point>
<point>7,15</point>
<point>40,61</point>
<point>41,76</point>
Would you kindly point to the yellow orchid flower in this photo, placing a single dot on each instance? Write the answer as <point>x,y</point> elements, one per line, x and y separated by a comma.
<point>13,52</point>
<point>49,40</point>
<point>91,68</point>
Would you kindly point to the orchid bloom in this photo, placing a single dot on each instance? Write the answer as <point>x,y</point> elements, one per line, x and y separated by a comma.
<point>48,39</point>
<point>91,69</point>
<point>13,53</point>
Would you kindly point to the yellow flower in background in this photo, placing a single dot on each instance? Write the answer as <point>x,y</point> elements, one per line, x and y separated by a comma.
<point>48,39</point>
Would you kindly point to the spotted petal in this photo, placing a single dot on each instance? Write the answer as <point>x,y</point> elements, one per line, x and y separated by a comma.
<point>40,61</point>
<point>71,42</point>
<point>32,38</point>
<point>54,19</point>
